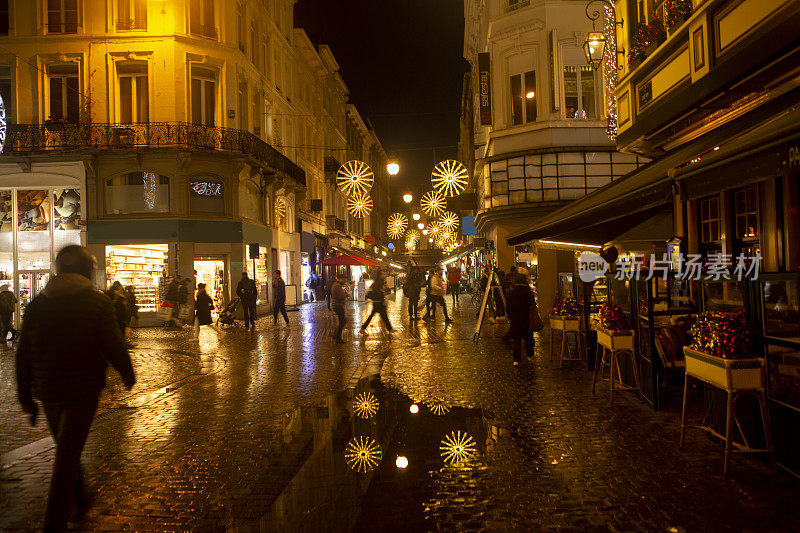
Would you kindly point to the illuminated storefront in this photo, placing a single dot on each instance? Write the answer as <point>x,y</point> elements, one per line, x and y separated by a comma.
<point>141,266</point>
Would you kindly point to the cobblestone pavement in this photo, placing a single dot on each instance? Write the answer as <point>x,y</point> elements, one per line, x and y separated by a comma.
<point>247,430</point>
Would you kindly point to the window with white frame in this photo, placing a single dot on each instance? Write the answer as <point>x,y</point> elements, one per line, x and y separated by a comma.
<point>131,15</point>
<point>203,96</point>
<point>6,86</point>
<point>580,100</point>
<point>134,100</point>
<point>62,16</point>
<point>201,18</point>
<point>64,93</point>
<point>523,97</point>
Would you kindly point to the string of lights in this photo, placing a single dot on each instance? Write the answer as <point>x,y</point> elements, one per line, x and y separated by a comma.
<point>610,71</point>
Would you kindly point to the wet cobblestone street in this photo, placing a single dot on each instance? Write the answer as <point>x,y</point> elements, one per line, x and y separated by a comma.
<point>243,430</point>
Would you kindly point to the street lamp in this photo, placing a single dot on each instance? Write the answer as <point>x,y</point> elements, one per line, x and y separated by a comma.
<point>420,225</point>
<point>595,47</point>
<point>392,167</point>
<point>407,198</point>
<point>601,52</point>
<point>415,216</point>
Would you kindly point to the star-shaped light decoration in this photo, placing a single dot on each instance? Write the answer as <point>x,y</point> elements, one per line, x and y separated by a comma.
<point>365,405</point>
<point>457,446</point>
<point>359,204</point>
<point>449,221</point>
<point>412,236</point>
<point>354,177</point>
<point>397,225</point>
<point>438,407</point>
<point>434,228</point>
<point>450,177</point>
<point>280,210</point>
<point>362,454</point>
<point>433,203</point>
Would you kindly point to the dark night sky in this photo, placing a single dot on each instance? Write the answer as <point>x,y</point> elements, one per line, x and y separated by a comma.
<point>402,61</point>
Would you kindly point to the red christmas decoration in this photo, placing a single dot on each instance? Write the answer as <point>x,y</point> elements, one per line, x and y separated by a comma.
<point>724,335</point>
<point>613,318</point>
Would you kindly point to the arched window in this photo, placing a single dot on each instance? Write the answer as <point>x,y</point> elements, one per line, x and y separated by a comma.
<point>207,194</point>
<point>137,192</point>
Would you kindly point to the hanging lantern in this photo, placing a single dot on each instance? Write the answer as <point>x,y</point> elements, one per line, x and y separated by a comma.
<point>396,225</point>
<point>433,203</point>
<point>450,177</point>
<point>594,49</point>
<point>354,177</point>
<point>359,205</point>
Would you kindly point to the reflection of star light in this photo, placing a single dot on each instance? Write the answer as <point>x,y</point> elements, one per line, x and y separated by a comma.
<point>365,405</point>
<point>457,446</point>
<point>362,454</point>
<point>438,408</point>
<point>150,181</point>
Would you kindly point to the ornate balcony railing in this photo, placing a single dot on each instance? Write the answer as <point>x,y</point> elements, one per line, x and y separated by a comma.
<point>51,137</point>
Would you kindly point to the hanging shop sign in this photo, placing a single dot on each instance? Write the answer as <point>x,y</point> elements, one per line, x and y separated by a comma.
<point>485,89</point>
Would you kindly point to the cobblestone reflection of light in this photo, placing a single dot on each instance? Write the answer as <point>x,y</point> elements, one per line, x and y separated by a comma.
<point>457,446</point>
<point>365,405</point>
<point>362,454</point>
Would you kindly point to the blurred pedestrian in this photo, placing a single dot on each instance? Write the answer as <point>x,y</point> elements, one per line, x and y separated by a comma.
<point>133,307</point>
<point>279,291</point>
<point>311,285</point>
<point>454,283</point>
<point>520,303</point>
<point>172,299</point>
<point>8,303</point>
<point>203,305</point>
<point>67,377</point>
<point>117,296</point>
<point>329,288</point>
<point>338,297</point>
<point>436,296</point>
<point>246,291</point>
<point>411,290</point>
<point>377,293</point>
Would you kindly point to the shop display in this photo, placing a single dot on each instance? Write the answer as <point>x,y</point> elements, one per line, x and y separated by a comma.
<point>33,210</point>
<point>67,207</point>
<point>140,266</point>
<point>564,306</point>
<point>212,273</point>
<point>6,211</point>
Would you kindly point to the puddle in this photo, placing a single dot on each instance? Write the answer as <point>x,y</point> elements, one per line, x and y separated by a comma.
<point>372,456</point>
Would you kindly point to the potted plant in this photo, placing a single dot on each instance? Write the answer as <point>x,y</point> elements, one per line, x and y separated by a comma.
<point>721,352</point>
<point>613,331</point>
<point>564,313</point>
<point>656,34</point>
<point>676,12</point>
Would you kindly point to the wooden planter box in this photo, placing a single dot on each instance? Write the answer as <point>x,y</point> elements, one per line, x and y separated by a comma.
<point>730,374</point>
<point>611,340</point>
<point>565,323</point>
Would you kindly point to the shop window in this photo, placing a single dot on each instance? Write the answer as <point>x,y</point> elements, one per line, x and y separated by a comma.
<point>523,98</point>
<point>137,192</point>
<point>286,266</point>
<point>579,92</point>
<point>203,96</point>
<point>64,98</point>
<point>66,209</point>
<point>4,17</point>
<point>62,16</point>
<point>131,15</point>
<point>6,211</point>
<point>134,105</point>
<point>257,270</point>
<point>710,221</point>
<point>207,195</point>
<point>201,18</point>
<point>6,85</point>
<point>141,266</point>
<point>746,213</point>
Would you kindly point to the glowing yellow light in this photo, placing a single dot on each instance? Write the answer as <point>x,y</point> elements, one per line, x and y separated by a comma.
<point>393,167</point>
<point>435,228</point>
<point>457,446</point>
<point>362,454</point>
<point>280,210</point>
<point>365,405</point>
<point>433,203</point>
<point>425,231</point>
<point>407,198</point>
<point>397,225</point>
<point>529,95</point>
<point>414,408</point>
<point>354,177</point>
<point>416,216</point>
<point>401,461</point>
<point>430,240</point>
<point>449,177</point>
<point>383,253</point>
<point>359,205</point>
<point>449,221</point>
<point>3,125</point>
<point>150,181</point>
<point>438,408</point>
<point>420,225</point>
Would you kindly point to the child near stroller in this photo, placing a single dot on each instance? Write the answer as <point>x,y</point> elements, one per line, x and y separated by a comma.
<point>227,316</point>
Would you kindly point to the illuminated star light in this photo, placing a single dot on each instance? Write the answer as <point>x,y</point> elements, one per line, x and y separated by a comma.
<point>449,177</point>
<point>280,210</point>
<point>365,405</point>
<point>362,454</point>
<point>457,446</point>
<point>413,236</point>
<point>433,203</point>
<point>610,71</point>
<point>354,177</point>
<point>449,221</point>
<point>397,225</point>
<point>438,408</point>
<point>359,205</point>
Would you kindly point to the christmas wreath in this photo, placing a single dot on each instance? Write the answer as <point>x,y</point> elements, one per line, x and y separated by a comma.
<point>613,318</point>
<point>564,306</point>
<point>724,335</point>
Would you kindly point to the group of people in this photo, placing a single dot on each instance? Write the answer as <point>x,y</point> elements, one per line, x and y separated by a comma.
<point>434,293</point>
<point>125,308</point>
<point>247,292</point>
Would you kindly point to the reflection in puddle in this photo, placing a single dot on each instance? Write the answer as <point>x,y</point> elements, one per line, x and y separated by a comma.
<point>370,455</point>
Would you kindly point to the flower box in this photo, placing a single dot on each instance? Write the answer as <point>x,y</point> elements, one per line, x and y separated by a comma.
<point>615,341</point>
<point>728,374</point>
<point>565,322</point>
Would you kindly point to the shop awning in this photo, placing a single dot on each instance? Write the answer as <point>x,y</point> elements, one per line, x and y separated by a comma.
<point>348,260</point>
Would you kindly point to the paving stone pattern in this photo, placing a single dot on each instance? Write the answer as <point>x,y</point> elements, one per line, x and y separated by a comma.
<point>192,447</point>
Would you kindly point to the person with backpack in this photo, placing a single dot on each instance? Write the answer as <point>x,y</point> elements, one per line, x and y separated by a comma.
<point>8,302</point>
<point>311,285</point>
<point>411,290</point>
<point>377,293</point>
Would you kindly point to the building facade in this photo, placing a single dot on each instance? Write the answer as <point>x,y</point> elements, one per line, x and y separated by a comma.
<point>538,119</point>
<point>180,138</point>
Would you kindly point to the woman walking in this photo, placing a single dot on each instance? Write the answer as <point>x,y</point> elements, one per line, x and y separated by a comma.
<point>202,309</point>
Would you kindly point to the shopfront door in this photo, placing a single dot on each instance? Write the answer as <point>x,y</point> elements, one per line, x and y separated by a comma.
<point>31,283</point>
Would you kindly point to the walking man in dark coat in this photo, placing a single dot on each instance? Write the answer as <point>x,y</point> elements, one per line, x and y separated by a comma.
<point>377,293</point>
<point>246,291</point>
<point>338,297</point>
<point>8,302</point>
<point>279,290</point>
<point>67,377</point>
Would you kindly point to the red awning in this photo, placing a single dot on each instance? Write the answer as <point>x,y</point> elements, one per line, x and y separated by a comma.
<point>346,259</point>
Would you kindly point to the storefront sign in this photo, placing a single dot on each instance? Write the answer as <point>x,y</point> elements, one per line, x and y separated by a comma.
<point>794,156</point>
<point>206,188</point>
<point>485,89</point>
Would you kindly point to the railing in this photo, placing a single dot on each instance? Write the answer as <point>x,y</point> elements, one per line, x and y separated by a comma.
<point>512,6</point>
<point>131,24</point>
<point>26,138</point>
<point>63,27</point>
<point>334,223</point>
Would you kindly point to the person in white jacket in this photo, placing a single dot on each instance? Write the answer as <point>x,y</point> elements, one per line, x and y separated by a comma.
<point>436,296</point>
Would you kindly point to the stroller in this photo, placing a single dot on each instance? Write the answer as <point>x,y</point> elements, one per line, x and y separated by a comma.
<point>227,316</point>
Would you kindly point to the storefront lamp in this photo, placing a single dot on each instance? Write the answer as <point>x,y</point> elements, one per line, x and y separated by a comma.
<point>430,240</point>
<point>595,48</point>
<point>425,231</point>
<point>414,408</point>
